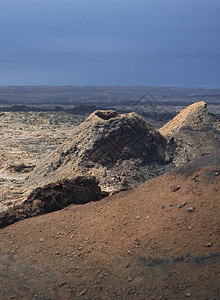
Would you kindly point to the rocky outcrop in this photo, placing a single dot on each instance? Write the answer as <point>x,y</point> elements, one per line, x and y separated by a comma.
<point>53,197</point>
<point>113,147</point>
<point>193,133</point>
<point>194,117</point>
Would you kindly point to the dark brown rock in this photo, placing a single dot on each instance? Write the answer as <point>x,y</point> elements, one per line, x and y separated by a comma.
<point>21,168</point>
<point>53,197</point>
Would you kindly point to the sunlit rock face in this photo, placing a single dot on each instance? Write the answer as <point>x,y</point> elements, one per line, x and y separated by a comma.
<point>194,133</point>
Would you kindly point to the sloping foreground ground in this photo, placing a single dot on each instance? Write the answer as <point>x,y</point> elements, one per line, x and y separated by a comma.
<point>158,241</point>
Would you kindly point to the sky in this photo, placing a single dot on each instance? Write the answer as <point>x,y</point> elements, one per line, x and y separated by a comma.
<point>110,42</point>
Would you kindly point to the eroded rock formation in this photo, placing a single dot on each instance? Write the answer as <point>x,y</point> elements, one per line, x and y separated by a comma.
<point>116,148</point>
<point>194,117</point>
<point>194,133</point>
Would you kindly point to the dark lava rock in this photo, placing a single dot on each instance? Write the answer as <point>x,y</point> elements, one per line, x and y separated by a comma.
<point>21,168</point>
<point>191,209</point>
<point>53,197</point>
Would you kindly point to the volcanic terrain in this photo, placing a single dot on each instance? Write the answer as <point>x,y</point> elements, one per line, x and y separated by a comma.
<point>98,220</point>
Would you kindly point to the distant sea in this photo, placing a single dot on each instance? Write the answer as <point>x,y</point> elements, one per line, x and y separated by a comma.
<point>111,68</point>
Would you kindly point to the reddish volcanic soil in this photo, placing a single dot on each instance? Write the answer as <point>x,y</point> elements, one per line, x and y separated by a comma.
<point>135,244</point>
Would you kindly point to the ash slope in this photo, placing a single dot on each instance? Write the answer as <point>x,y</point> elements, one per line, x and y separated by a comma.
<point>138,244</point>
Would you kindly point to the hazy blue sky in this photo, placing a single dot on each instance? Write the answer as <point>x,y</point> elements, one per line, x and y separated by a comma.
<point>110,42</point>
